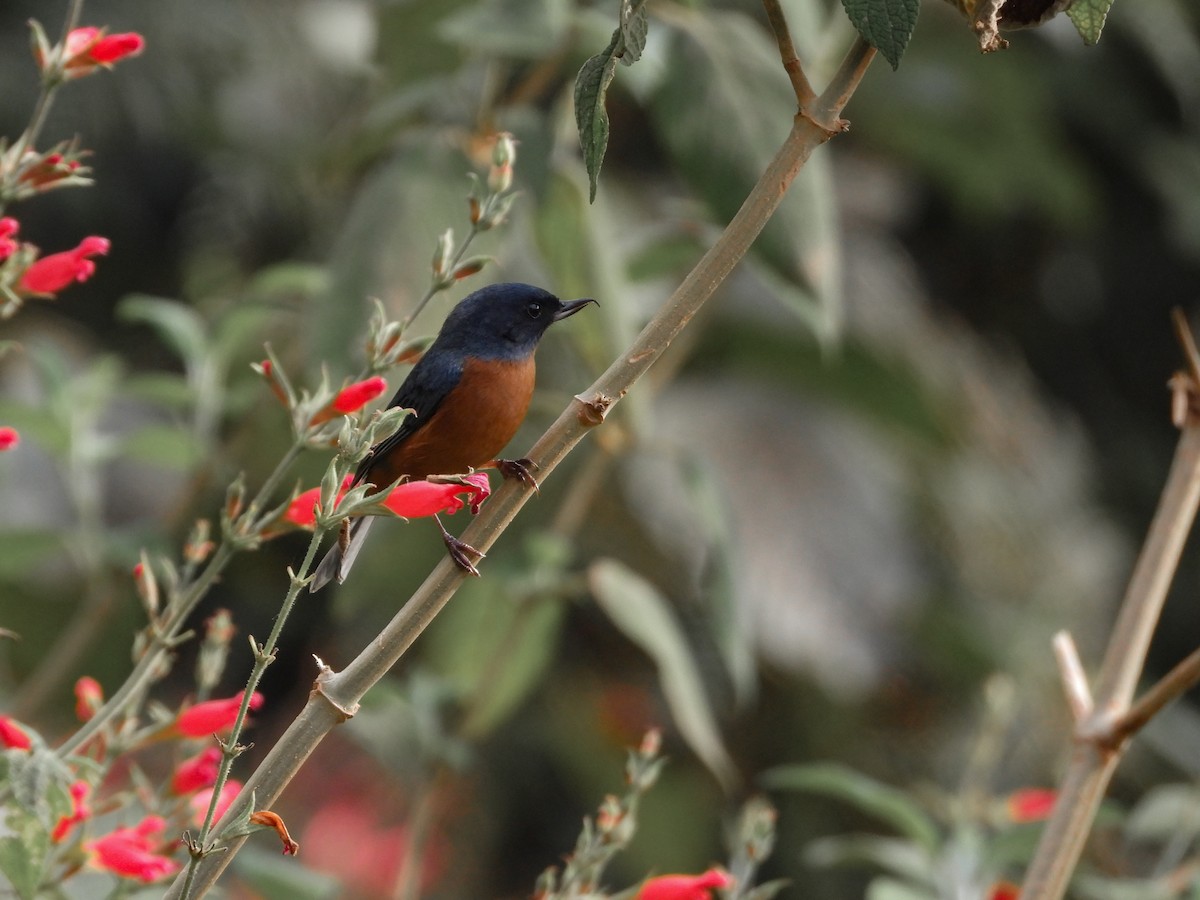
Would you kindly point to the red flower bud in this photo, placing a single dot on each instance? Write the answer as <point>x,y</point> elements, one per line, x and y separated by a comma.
<point>130,852</point>
<point>52,273</point>
<point>80,810</point>
<point>354,397</point>
<point>9,438</point>
<point>89,696</point>
<point>303,510</point>
<point>416,499</point>
<point>1031,804</point>
<point>13,736</point>
<point>684,887</point>
<point>198,772</point>
<point>8,228</point>
<point>89,48</point>
<point>213,716</point>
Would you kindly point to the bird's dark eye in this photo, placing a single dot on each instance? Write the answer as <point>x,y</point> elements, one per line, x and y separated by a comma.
<point>534,309</point>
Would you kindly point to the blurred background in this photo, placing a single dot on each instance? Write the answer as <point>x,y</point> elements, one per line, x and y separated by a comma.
<point>919,430</point>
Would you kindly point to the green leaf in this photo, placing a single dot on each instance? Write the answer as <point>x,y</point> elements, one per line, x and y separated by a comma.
<point>635,25</point>
<point>637,608</point>
<point>23,854</point>
<point>869,796</point>
<point>178,325</point>
<point>1088,18</point>
<point>162,445</point>
<point>166,389</point>
<point>268,874</point>
<point>1165,812</point>
<point>591,118</point>
<point>521,28</point>
<point>886,25</point>
<point>896,856</point>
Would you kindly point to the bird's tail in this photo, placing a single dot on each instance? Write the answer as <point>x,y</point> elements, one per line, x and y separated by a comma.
<point>337,562</point>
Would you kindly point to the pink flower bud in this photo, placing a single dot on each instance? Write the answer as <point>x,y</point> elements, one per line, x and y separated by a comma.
<point>52,273</point>
<point>1031,804</point>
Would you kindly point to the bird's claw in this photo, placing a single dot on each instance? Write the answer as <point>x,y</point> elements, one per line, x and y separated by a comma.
<point>464,555</point>
<point>521,469</point>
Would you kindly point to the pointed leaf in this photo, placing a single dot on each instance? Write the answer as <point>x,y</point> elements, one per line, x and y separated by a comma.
<point>866,794</point>
<point>1088,18</point>
<point>642,613</point>
<point>634,27</point>
<point>178,325</point>
<point>591,118</point>
<point>886,25</point>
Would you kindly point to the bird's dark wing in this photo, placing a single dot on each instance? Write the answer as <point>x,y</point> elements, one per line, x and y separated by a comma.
<point>423,392</point>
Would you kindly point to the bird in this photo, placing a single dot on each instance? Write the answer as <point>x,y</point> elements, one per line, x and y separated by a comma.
<point>468,394</point>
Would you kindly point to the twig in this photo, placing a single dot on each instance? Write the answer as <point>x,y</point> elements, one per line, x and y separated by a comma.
<point>1070,669</point>
<point>1170,687</point>
<point>337,694</point>
<point>1097,749</point>
<point>787,54</point>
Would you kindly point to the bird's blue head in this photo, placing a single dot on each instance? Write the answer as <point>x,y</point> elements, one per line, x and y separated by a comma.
<point>504,321</point>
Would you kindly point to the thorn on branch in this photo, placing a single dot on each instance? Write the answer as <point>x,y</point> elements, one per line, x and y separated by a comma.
<point>1070,669</point>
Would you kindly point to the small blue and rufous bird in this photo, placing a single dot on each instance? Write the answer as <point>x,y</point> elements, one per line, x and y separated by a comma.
<point>469,394</point>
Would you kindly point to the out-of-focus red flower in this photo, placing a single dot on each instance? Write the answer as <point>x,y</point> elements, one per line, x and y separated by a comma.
<point>9,438</point>
<point>80,810</point>
<point>354,397</point>
<point>303,510</point>
<point>684,887</point>
<point>89,48</point>
<point>415,499</point>
<point>273,820</point>
<point>1004,890</point>
<point>44,171</point>
<point>344,839</point>
<point>198,772</point>
<point>52,273</point>
<point>1031,804</point>
<point>213,716</point>
<point>89,697</point>
<point>8,228</point>
<point>131,852</point>
<point>13,736</point>
<point>200,801</point>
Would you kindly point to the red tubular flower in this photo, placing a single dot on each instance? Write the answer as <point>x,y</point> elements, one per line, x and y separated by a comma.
<point>415,499</point>
<point>89,47</point>
<point>52,273</point>
<point>9,438</point>
<point>130,852</point>
<point>354,397</point>
<point>303,510</point>
<point>199,803</point>
<point>8,228</point>
<point>13,736</point>
<point>89,696</point>
<point>213,716</point>
<point>197,773</point>
<point>684,887</point>
<point>80,810</point>
<point>1031,804</point>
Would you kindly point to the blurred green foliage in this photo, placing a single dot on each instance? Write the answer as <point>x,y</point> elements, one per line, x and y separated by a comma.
<point>917,432</point>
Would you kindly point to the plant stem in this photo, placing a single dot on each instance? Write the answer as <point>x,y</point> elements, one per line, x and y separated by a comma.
<point>1095,757</point>
<point>336,695</point>
<point>264,655</point>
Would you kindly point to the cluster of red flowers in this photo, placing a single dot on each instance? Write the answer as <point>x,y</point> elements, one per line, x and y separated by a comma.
<point>142,852</point>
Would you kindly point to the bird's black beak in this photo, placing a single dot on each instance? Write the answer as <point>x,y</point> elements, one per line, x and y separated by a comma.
<point>571,307</point>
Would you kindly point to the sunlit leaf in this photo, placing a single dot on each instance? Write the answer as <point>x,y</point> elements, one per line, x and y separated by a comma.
<point>637,608</point>
<point>865,794</point>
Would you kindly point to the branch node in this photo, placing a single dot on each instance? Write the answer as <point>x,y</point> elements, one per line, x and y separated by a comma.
<point>594,409</point>
<point>324,676</point>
